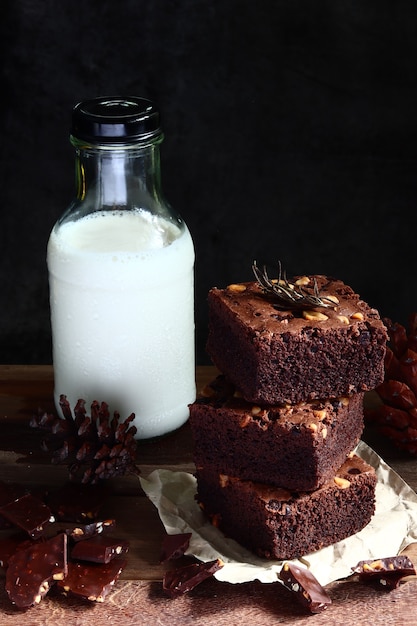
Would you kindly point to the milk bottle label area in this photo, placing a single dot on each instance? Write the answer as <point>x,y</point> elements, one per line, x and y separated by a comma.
<point>122,313</point>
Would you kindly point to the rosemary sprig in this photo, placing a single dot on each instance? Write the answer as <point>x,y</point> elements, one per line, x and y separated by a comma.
<point>288,295</point>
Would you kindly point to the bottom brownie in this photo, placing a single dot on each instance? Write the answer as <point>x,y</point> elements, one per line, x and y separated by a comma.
<point>278,524</point>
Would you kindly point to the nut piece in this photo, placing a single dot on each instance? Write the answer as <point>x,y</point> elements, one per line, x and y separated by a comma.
<point>256,410</point>
<point>332,298</point>
<point>236,287</point>
<point>320,414</point>
<point>342,483</point>
<point>301,282</point>
<point>223,480</point>
<point>374,566</point>
<point>343,319</point>
<point>313,427</point>
<point>284,283</point>
<point>315,316</point>
<point>207,391</point>
<point>246,419</point>
<point>357,316</point>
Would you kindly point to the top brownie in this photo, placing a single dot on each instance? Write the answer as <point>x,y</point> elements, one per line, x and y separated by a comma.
<point>276,355</point>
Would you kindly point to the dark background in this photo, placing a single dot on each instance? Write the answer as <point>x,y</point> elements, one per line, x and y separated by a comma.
<point>290,134</point>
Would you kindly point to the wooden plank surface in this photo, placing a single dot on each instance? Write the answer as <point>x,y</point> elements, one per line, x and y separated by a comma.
<point>138,597</point>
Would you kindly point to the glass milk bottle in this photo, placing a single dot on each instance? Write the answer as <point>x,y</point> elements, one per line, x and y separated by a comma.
<point>121,274</point>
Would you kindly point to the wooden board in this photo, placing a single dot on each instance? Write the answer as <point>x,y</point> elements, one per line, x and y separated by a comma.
<point>138,597</point>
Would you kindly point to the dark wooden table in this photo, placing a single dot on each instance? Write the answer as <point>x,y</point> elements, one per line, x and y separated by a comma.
<point>138,597</point>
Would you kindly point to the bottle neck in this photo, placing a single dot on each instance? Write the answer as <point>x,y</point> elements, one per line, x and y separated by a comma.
<point>121,177</point>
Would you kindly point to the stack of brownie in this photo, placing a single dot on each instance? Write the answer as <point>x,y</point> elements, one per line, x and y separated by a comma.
<point>274,433</point>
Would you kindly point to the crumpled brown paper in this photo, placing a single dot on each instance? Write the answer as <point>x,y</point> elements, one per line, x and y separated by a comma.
<point>392,528</point>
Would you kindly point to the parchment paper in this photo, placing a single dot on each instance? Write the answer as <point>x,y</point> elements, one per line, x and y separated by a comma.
<point>392,528</point>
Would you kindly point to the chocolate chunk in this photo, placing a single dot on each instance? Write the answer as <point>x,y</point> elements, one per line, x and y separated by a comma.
<point>31,571</point>
<point>174,546</point>
<point>33,563</point>
<point>99,549</point>
<point>28,513</point>
<point>86,531</point>
<point>91,581</point>
<point>387,572</point>
<point>306,587</point>
<point>75,502</point>
<point>179,581</point>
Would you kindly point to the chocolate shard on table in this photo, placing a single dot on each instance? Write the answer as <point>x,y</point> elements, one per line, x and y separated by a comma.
<point>305,586</point>
<point>181,580</point>
<point>174,546</point>
<point>33,570</point>
<point>99,549</point>
<point>76,502</point>
<point>28,513</point>
<point>81,532</point>
<point>386,572</point>
<point>91,581</point>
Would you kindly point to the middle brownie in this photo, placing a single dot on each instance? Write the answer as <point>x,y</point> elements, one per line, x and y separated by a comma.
<point>297,447</point>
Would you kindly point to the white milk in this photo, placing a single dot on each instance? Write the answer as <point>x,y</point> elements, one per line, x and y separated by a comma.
<point>122,312</point>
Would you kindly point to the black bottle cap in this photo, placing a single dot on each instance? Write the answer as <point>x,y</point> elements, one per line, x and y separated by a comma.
<point>116,120</point>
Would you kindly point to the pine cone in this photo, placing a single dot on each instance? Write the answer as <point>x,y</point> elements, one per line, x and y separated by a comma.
<point>396,416</point>
<point>95,447</point>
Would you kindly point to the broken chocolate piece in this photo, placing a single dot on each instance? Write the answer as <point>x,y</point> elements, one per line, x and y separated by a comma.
<point>174,546</point>
<point>86,531</point>
<point>99,549</point>
<point>28,513</point>
<point>387,572</point>
<point>306,587</point>
<point>32,570</point>
<point>33,563</point>
<point>179,581</point>
<point>75,502</point>
<point>91,581</point>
